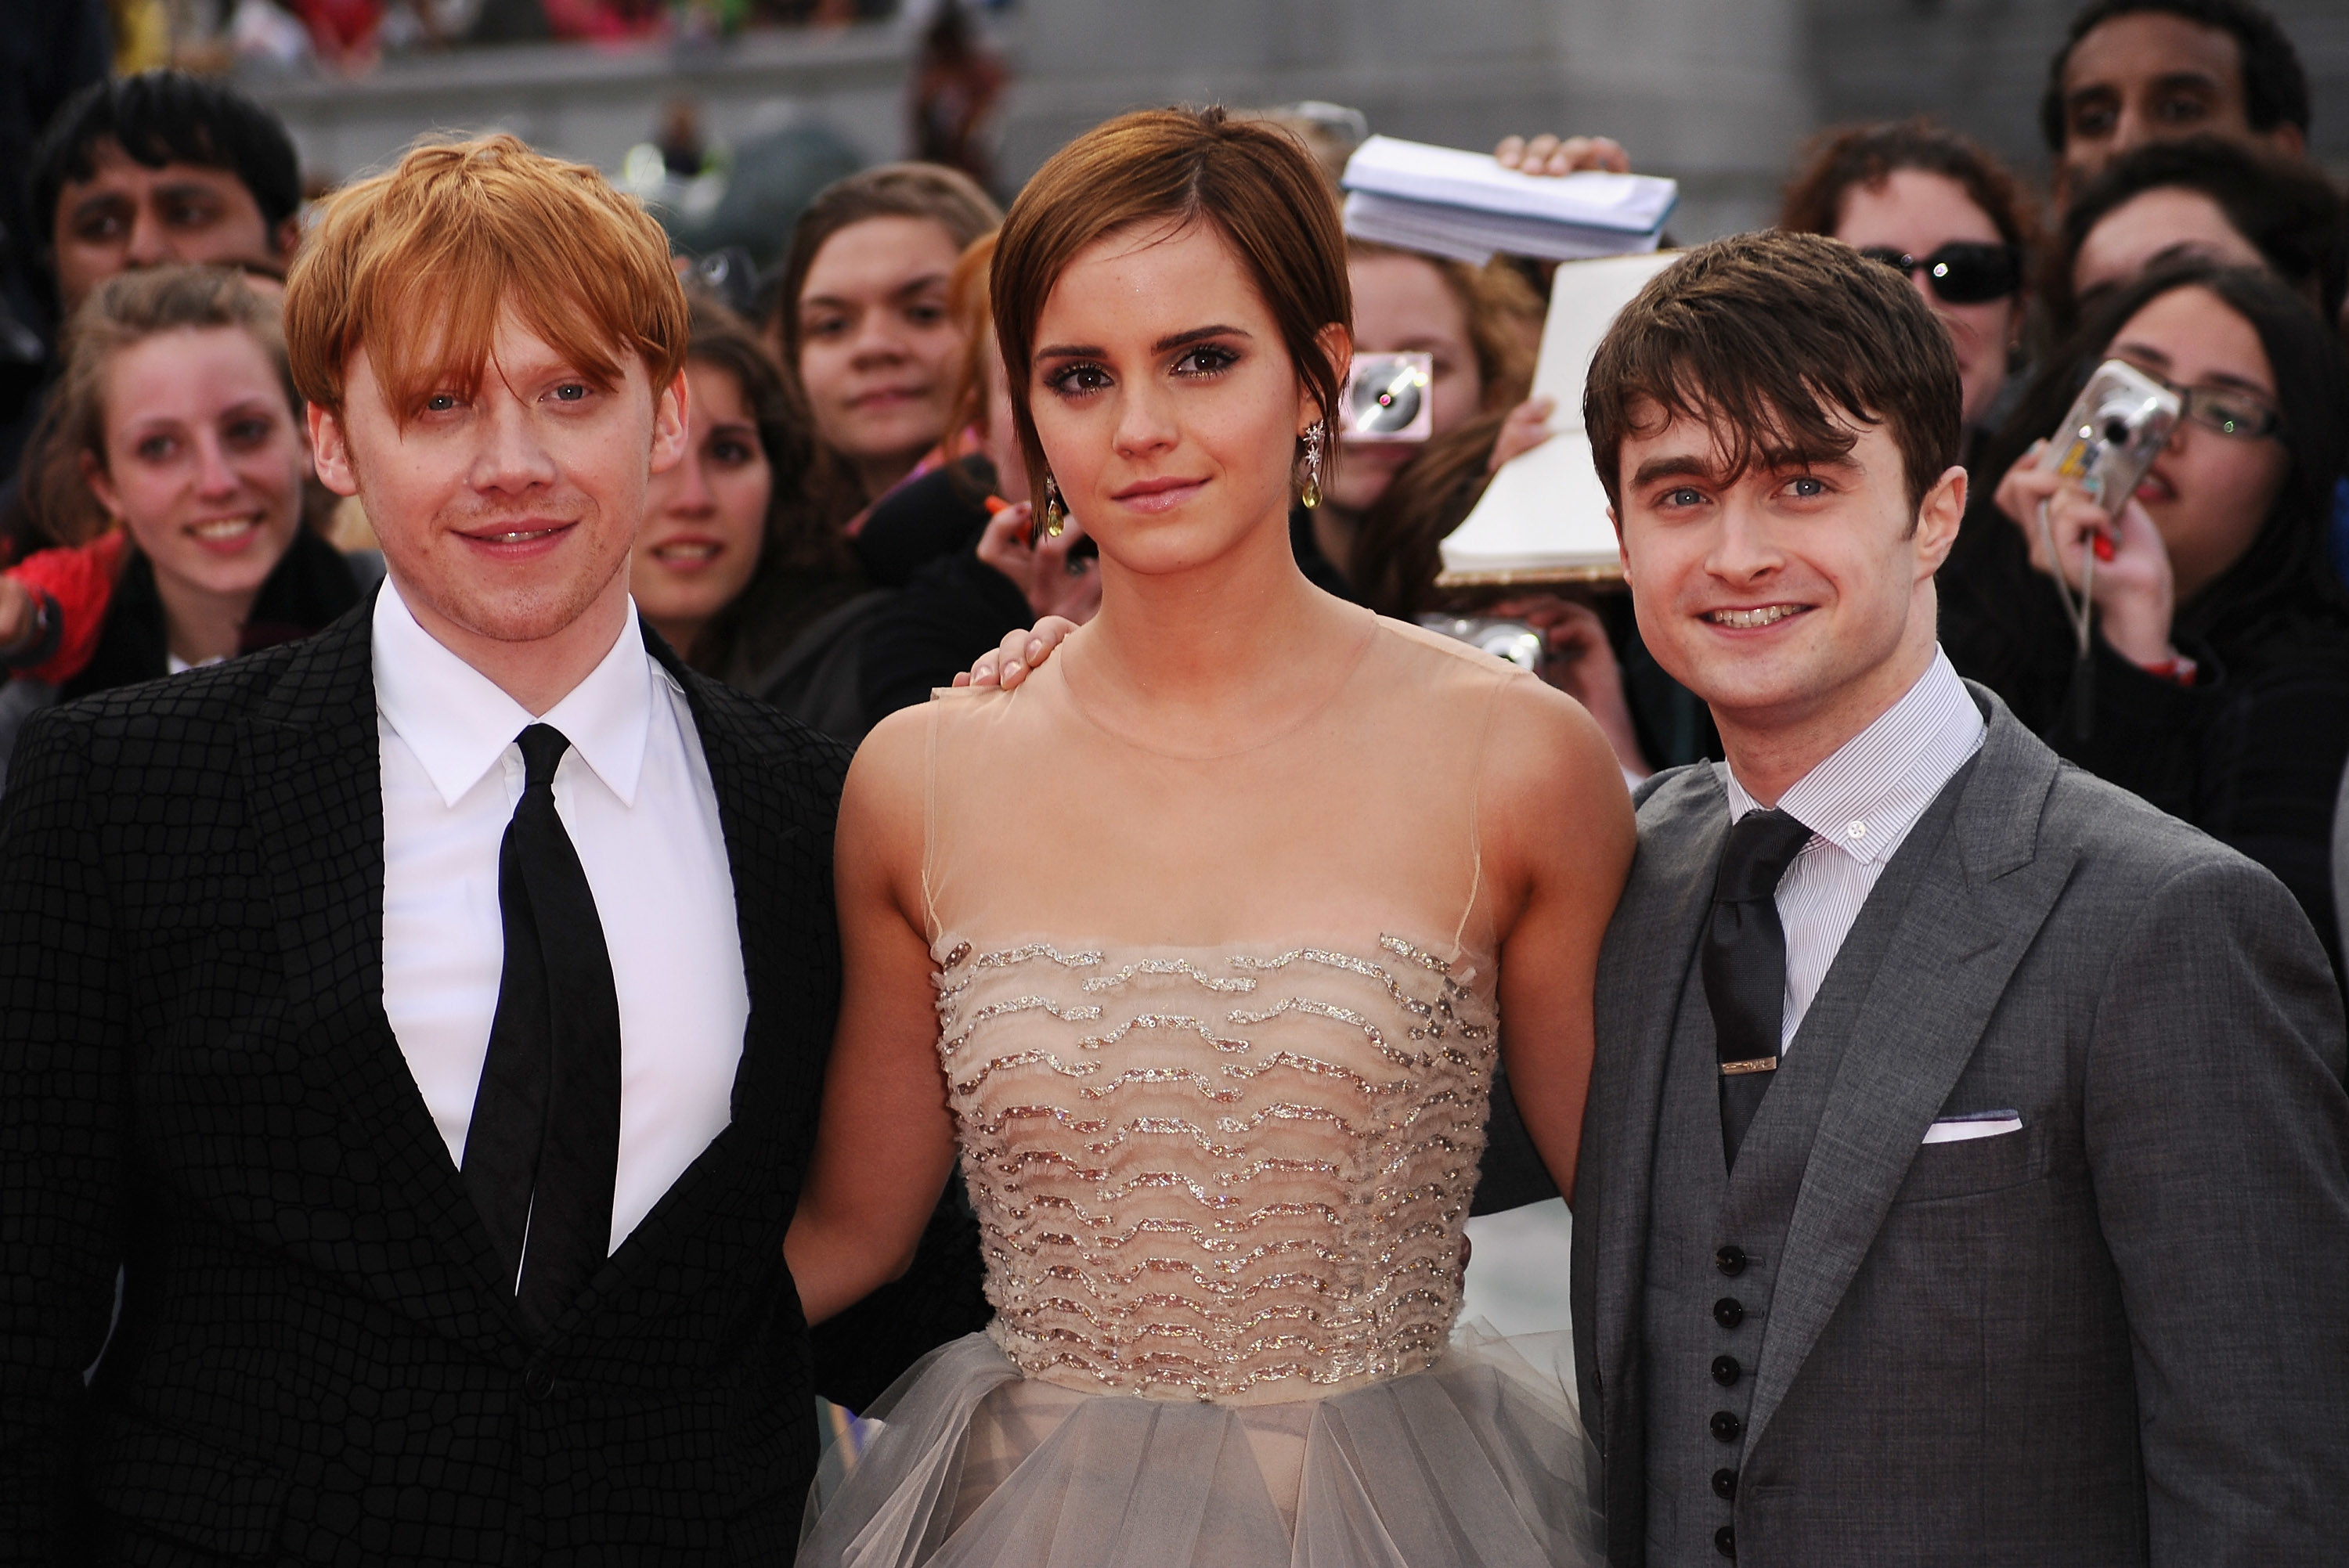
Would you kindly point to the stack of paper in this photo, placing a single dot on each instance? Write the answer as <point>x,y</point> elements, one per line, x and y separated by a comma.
<point>1544,517</point>
<point>1448,203</point>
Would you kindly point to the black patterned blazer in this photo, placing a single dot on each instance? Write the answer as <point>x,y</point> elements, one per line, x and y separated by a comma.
<point>247,1311</point>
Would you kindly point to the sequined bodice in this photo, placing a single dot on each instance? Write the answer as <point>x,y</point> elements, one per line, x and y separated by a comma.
<point>1228,1176</point>
<point>1218,1030</point>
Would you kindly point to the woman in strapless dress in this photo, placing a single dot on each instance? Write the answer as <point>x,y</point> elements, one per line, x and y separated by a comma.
<point>1197,948</point>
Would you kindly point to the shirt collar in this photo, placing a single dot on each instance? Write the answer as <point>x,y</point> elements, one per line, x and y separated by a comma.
<point>459,722</point>
<point>1867,795</point>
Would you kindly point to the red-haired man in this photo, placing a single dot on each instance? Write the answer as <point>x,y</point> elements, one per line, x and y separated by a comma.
<point>412,1035</point>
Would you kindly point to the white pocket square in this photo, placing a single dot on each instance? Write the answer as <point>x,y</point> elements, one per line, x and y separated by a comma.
<point>1977,1124</point>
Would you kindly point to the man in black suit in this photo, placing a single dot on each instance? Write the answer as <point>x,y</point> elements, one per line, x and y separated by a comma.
<point>411,1039</point>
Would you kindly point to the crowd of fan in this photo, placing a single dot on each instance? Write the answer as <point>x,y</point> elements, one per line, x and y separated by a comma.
<point>851,528</point>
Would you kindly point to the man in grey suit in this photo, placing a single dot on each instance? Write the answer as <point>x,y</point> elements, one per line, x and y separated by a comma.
<point>1965,1175</point>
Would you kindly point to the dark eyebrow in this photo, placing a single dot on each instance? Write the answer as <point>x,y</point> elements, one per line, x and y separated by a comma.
<point>1684,466</point>
<point>1071,351</point>
<point>1196,334</point>
<point>1695,468</point>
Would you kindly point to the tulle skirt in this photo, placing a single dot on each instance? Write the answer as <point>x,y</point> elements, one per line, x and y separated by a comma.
<point>1476,1462</point>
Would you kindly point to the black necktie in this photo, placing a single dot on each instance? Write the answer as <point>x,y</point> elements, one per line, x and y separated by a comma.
<point>1745,962</point>
<point>544,1143</point>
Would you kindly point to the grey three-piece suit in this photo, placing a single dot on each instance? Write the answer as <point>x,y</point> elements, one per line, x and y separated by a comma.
<point>2117,1335</point>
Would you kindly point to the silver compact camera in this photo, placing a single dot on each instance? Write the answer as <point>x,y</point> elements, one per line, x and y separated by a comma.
<point>2117,425</point>
<point>1385,398</point>
<point>1519,643</point>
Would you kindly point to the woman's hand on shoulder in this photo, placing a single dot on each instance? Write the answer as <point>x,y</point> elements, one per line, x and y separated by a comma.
<point>1008,665</point>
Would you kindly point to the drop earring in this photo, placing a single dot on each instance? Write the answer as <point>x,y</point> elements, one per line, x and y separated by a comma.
<point>1311,495</point>
<point>1056,516</point>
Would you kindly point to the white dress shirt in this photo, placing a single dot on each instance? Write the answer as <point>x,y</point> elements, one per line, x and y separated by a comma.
<point>635,795</point>
<point>1859,804</point>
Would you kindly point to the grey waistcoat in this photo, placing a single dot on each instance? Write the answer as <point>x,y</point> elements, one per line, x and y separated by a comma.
<point>1715,1238</point>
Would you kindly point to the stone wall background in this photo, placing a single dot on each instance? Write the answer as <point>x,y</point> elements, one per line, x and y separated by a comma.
<point>1717,93</point>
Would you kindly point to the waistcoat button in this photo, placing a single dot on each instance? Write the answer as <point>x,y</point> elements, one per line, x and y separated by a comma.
<point>1729,1312</point>
<point>1724,1540</point>
<point>1730,1259</point>
<point>1725,1370</point>
<point>1724,1485</point>
<point>1726,1426</point>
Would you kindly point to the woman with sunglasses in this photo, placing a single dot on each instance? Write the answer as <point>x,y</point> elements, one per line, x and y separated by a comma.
<point>1931,204</point>
<point>2216,679</point>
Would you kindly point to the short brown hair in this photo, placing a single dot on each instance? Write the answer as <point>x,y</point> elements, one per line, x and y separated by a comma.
<point>946,197</point>
<point>418,264</point>
<point>1253,182</point>
<point>1775,339</point>
<point>1858,156</point>
<point>124,310</point>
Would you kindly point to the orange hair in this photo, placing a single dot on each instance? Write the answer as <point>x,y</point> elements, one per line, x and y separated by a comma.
<point>416,266</point>
<point>966,307</point>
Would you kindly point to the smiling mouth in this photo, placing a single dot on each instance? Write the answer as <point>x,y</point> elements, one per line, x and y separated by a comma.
<point>686,553</point>
<point>1747,620</point>
<point>521,535</point>
<point>220,529</point>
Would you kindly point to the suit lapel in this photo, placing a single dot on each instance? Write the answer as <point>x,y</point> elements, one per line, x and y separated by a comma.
<point>1643,968</point>
<point>310,759</point>
<point>1976,910</point>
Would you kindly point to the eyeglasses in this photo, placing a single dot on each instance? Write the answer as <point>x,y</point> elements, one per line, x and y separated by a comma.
<point>2228,410</point>
<point>1964,272</point>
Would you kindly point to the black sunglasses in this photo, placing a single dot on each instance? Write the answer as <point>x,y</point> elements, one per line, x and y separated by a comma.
<point>1964,272</point>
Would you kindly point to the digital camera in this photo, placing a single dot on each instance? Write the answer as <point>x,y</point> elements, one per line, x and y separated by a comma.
<point>2117,425</point>
<point>1386,398</point>
<point>1518,643</point>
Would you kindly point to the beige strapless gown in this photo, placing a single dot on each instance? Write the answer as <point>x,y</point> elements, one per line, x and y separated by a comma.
<point>1218,1033</point>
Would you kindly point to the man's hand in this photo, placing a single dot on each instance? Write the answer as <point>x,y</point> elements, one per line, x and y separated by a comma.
<point>1548,154</point>
<point>1054,586</point>
<point>1021,651</point>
